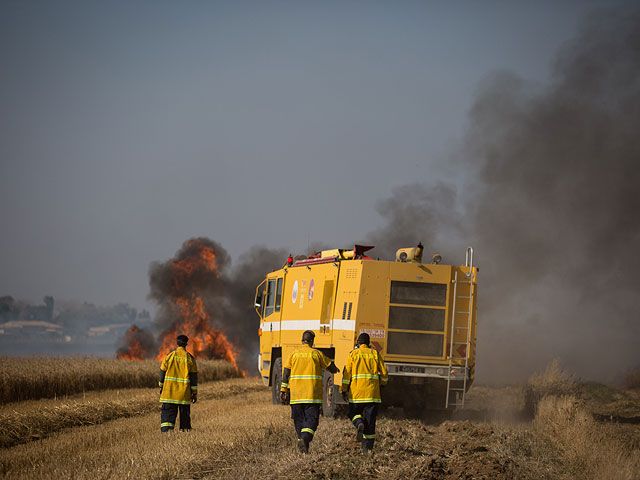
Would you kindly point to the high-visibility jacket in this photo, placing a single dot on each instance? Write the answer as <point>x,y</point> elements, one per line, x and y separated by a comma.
<point>364,372</point>
<point>178,377</point>
<point>305,380</point>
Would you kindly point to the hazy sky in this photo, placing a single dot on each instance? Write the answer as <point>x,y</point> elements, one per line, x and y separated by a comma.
<point>128,127</point>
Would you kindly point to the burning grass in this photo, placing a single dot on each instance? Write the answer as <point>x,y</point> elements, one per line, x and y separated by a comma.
<point>29,378</point>
<point>185,288</point>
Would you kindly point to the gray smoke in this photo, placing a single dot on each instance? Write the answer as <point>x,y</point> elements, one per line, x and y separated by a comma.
<point>551,208</point>
<point>166,282</point>
<point>417,213</point>
<point>227,293</point>
<point>240,319</point>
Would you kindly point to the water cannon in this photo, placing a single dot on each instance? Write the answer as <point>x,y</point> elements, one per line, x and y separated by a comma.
<point>408,255</point>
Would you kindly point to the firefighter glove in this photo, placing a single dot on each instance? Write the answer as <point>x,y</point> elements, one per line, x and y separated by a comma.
<point>194,397</point>
<point>283,397</point>
<point>345,397</point>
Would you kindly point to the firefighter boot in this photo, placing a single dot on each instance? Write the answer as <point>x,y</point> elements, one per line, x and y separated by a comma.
<point>360,431</point>
<point>303,446</point>
<point>367,450</point>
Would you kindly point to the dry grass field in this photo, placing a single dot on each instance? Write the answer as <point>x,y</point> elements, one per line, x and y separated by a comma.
<point>582,431</point>
<point>23,422</point>
<point>30,378</point>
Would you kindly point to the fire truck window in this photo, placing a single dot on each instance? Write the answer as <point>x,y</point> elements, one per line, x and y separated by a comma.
<point>412,318</point>
<point>271,296</point>
<point>421,344</point>
<point>416,293</point>
<point>279,295</point>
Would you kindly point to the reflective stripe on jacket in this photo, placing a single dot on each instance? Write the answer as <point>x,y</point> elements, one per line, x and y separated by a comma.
<point>364,372</point>
<point>178,377</point>
<point>305,381</point>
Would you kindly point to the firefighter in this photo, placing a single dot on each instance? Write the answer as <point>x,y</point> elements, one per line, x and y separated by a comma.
<point>364,373</point>
<point>302,375</point>
<point>178,386</point>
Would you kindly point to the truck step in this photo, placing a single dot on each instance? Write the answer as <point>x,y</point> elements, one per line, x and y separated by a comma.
<point>462,313</point>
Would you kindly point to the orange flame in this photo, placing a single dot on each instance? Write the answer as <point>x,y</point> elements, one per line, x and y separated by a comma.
<point>204,340</point>
<point>134,349</point>
<point>195,322</point>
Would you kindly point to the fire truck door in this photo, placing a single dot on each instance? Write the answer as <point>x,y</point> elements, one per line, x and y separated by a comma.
<point>328,294</point>
<point>272,314</point>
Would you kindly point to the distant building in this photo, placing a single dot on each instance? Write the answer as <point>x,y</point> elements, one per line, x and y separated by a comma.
<point>113,330</point>
<point>30,329</point>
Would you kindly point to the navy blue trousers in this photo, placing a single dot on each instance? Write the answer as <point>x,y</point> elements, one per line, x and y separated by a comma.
<point>365,413</point>
<point>169,414</point>
<point>305,418</point>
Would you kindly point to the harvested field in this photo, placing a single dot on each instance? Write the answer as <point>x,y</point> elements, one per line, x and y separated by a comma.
<point>30,378</point>
<point>238,433</point>
<point>35,419</point>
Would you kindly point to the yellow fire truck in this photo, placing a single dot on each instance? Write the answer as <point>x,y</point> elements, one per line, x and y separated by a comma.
<point>420,316</point>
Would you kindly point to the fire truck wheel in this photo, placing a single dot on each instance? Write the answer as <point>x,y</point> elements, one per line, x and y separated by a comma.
<point>328,395</point>
<point>276,380</point>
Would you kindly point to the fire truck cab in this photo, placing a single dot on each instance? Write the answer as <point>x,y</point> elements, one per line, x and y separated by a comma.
<point>420,316</point>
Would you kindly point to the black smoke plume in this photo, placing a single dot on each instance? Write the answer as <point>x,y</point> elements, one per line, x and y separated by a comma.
<point>227,293</point>
<point>166,282</point>
<point>138,344</point>
<point>416,213</point>
<point>551,208</point>
<point>240,318</point>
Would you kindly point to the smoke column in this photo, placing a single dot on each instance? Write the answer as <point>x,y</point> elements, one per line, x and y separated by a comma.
<point>167,282</point>
<point>552,209</point>
<point>199,294</point>
<point>240,318</point>
<point>417,213</point>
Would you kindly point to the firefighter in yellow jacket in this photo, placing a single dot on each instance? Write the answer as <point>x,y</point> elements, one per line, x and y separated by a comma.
<point>302,375</point>
<point>364,373</point>
<point>178,386</point>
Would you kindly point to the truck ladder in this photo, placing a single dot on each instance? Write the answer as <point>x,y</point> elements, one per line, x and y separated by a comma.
<point>455,325</point>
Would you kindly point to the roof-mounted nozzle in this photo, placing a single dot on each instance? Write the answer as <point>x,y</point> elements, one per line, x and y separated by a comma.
<point>408,255</point>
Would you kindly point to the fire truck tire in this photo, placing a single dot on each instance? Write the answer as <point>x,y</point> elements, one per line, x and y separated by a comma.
<point>276,380</point>
<point>328,395</point>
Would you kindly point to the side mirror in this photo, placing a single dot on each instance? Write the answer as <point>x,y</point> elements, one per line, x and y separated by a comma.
<point>258,300</point>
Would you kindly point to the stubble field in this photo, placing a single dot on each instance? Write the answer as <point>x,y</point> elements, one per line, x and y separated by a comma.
<point>554,427</point>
